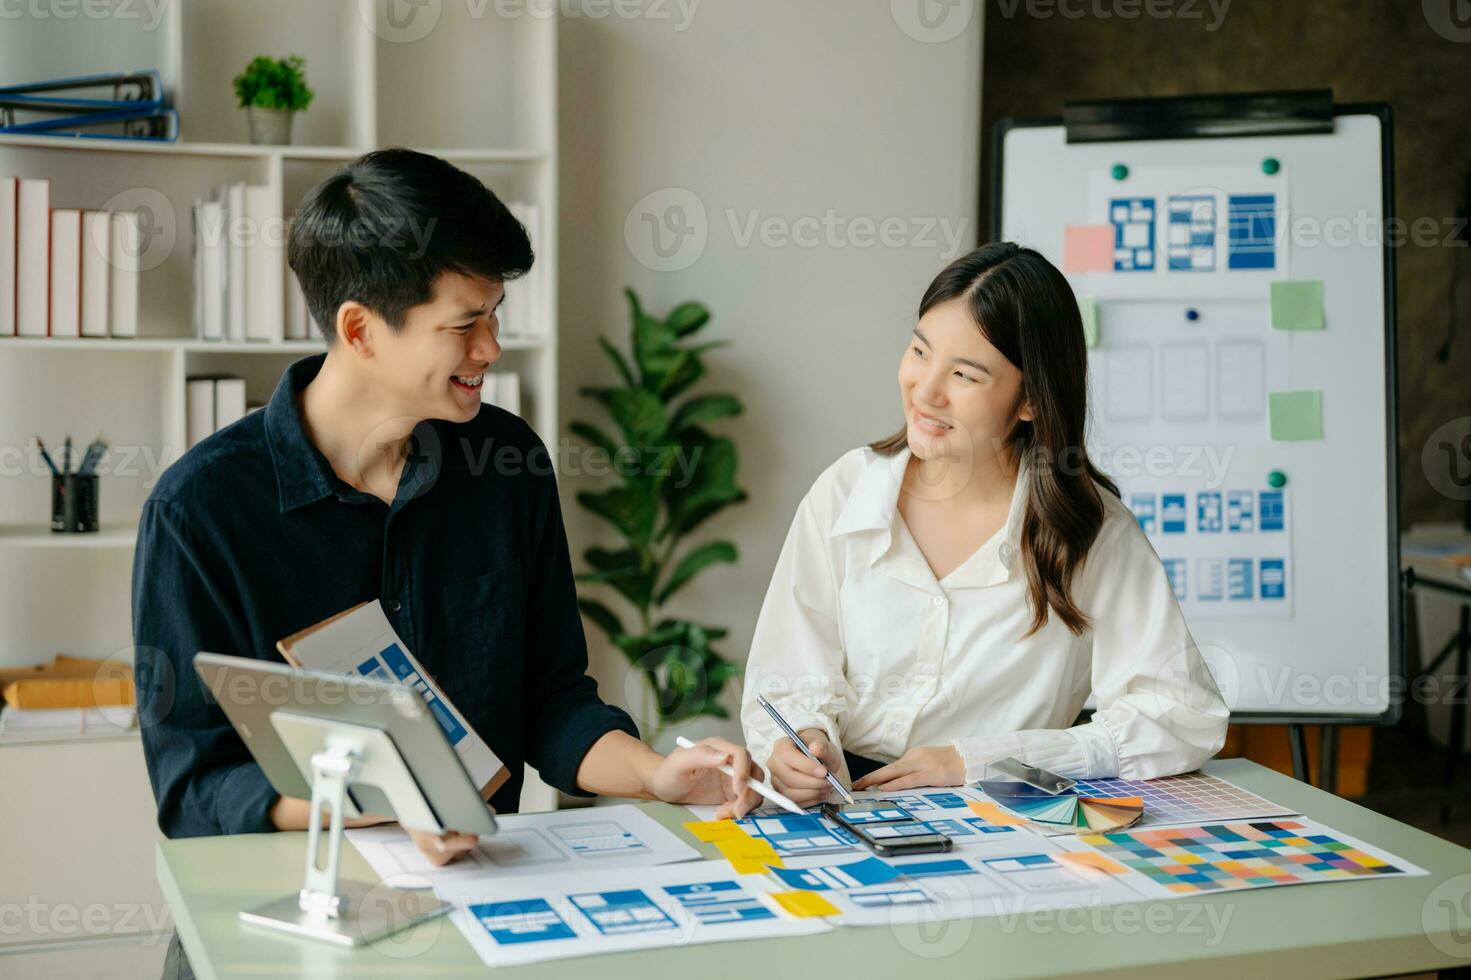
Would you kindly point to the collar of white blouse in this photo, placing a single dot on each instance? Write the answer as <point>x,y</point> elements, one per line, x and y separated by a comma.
<point>872,508</point>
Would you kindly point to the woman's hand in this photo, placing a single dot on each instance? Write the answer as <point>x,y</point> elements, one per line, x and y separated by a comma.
<point>931,765</point>
<point>801,779</point>
<point>441,849</point>
<point>689,776</point>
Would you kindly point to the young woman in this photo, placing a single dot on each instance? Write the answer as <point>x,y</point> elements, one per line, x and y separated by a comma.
<point>951,595</point>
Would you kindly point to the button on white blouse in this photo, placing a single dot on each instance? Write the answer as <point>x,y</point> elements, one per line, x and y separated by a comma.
<point>857,638</point>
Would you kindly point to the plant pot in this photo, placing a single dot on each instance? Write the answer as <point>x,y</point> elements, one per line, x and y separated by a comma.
<point>270,127</point>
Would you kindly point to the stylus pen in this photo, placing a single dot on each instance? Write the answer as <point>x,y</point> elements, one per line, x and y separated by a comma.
<point>792,734</point>
<point>763,788</point>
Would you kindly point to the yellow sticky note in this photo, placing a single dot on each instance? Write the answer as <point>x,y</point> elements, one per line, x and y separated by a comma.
<point>748,855</point>
<point>805,905</point>
<point>711,831</point>
<point>1092,860</point>
<point>992,813</point>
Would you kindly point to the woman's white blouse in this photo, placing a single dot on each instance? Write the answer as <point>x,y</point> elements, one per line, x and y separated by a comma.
<point>857,638</point>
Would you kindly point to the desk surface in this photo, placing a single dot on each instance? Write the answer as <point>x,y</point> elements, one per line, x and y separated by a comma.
<point>1343,929</point>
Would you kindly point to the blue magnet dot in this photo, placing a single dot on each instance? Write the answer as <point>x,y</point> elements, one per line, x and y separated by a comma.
<point>1120,171</point>
<point>1271,165</point>
<point>1192,314</point>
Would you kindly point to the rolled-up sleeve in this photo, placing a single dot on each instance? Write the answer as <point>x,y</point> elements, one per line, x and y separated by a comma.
<point>204,780</point>
<point>797,661</point>
<point>564,715</point>
<point>1159,710</point>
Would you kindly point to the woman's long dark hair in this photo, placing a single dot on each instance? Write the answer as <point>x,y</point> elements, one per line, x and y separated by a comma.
<point>1026,309</point>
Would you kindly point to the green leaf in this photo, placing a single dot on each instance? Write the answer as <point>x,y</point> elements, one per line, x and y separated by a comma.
<point>695,562</point>
<point>692,498</point>
<point>602,616</point>
<point>653,344</point>
<point>616,356</point>
<point>704,408</point>
<point>631,509</point>
<point>625,570</point>
<point>686,318</point>
<point>640,414</point>
<point>595,436</point>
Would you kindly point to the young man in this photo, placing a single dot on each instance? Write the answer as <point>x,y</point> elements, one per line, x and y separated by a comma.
<point>376,472</point>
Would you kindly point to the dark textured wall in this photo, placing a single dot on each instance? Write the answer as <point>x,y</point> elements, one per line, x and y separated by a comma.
<point>1414,56</point>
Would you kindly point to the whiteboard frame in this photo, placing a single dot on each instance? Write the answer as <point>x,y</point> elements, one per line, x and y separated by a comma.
<point>1394,579</point>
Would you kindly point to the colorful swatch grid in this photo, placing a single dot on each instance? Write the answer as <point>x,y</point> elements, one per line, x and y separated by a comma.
<point>1222,857</point>
<point>1192,797</point>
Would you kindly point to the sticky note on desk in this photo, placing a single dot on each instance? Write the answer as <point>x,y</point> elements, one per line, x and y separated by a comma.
<point>804,905</point>
<point>711,831</point>
<point>1088,307</point>
<point>1297,304</point>
<point>992,813</point>
<point>1295,416</point>
<point>748,855</point>
<point>1087,248</point>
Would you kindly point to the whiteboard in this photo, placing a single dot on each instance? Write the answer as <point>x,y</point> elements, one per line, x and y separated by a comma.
<point>1291,593</point>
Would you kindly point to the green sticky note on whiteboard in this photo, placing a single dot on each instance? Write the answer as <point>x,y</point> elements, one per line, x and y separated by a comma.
<point>1089,309</point>
<point>1295,416</point>
<point>1297,304</point>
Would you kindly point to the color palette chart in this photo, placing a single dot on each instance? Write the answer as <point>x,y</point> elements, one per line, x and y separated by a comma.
<point>1066,811</point>
<point>1192,797</point>
<point>1256,854</point>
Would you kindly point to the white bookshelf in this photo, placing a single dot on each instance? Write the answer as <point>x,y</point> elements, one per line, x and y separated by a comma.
<point>479,88</point>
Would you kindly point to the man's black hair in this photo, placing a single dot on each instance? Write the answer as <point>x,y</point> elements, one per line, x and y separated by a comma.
<point>382,229</point>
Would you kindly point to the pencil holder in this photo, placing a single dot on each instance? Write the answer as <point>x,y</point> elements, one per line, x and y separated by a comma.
<point>74,503</point>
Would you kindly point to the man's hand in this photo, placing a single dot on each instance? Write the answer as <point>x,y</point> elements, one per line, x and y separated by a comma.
<point>441,849</point>
<point>803,780</point>
<point>689,776</point>
<point>932,765</point>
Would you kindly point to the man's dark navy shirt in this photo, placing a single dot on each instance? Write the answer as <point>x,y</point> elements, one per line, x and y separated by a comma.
<point>251,537</point>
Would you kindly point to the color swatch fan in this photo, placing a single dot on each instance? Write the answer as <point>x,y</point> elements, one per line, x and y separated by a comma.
<point>1065,811</point>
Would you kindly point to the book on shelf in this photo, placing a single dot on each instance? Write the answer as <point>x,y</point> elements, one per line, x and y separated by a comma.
<point>144,86</point>
<point>237,289</point>
<point>523,314</point>
<point>68,721</point>
<point>211,403</point>
<point>65,272</point>
<point>503,390</point>
<point>126,124</point>
<point>114,105</point>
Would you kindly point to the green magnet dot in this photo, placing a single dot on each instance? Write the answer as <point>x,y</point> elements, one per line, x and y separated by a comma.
<point>1120,171</point>
<point>1277,479</point>
<point>1271,165</point>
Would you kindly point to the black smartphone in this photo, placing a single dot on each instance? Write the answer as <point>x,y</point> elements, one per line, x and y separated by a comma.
<point>887,828</point>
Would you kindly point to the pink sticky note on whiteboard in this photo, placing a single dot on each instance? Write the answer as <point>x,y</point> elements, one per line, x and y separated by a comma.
<point>1087,248</point>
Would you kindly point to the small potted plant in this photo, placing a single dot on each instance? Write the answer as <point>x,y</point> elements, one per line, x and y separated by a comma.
<point>272,91</point>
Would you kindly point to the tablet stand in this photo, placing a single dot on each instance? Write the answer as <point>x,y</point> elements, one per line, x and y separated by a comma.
<point>347,913</point>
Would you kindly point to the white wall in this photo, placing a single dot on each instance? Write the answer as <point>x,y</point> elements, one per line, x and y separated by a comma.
<point>773,109</point>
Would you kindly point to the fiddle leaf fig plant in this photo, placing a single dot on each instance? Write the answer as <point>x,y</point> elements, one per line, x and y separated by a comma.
<point>674,474</point>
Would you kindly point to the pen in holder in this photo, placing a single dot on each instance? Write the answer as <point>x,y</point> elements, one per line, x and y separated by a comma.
<point>74,503</point>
